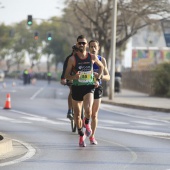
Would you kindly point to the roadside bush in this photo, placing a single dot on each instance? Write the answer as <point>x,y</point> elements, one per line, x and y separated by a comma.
<point>161,80</point>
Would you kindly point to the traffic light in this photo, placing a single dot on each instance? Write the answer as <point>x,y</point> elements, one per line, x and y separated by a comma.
<point>29,20</point>
<point>49,37</point>
<point>36,35</point>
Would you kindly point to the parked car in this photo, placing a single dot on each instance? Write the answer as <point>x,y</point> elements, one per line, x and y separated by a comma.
<point>2,75</point>
<point>15,74</point>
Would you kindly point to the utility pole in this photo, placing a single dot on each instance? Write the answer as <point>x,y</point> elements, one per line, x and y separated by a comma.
<point>112,54</point>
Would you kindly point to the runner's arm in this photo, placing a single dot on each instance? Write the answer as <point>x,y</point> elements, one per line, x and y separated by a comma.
<point>64,68</point>
<point>69,68</point>
<point>100,65</point>
<point>63,79</point>
<point>106,75</point>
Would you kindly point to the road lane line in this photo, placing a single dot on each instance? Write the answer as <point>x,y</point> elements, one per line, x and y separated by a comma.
<point>32,117</point>
<point>27,114</point>
<point>12,120</point>
<point>134,155</point>
<point>139,132</point>
<point>113,122</point>
<point>41,89</point>
<point>108,108</point>
<point>147,123</point>
<point>46,120</point>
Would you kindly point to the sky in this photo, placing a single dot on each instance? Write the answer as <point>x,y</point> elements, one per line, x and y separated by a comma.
<point>17,10</point>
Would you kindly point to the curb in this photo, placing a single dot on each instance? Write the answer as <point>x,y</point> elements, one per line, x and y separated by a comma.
<point>5,145</point>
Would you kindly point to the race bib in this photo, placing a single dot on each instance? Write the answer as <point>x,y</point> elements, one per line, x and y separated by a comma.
<point>85,76</point>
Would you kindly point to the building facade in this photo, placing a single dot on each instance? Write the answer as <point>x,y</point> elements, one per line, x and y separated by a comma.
<point>149,48</point>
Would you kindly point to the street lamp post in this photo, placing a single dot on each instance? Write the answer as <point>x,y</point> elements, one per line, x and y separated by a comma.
<point>112,54</point>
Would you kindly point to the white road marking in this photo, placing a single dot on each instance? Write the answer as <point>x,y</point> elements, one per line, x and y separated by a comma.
<point>31,117</point>
<point>113,122</point>
<point>60,93</point>
<point>17,121</point>
<point>5,118</point>
<point>147,123</point>
<point>30,153</point>
<point>66,120</point>
<point>43,120</point>
<point>139,132</point>
<point>27,114</point>
<point>12,120</point>
<point>109,108</point>
<point>32,98</point>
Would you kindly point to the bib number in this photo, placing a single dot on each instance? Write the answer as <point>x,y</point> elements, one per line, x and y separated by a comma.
<point>85,76</point>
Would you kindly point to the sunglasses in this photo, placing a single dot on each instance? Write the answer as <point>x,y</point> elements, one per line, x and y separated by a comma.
<point>81,43</point>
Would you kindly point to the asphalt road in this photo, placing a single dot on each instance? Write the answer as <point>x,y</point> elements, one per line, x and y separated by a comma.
<point>128,139</point>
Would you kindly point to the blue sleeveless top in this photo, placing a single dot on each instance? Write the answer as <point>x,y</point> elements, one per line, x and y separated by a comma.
<point>96,68</point>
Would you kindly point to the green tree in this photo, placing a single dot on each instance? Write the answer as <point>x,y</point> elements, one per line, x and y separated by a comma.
<point>5,39</point>
<point>94,17</point>
<point>161,80</point>
<point>59,47</point>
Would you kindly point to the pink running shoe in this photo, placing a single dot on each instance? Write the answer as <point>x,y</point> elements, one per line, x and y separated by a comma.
<point>88,130</point>
<point>93,141</point>
<point>82,141</point>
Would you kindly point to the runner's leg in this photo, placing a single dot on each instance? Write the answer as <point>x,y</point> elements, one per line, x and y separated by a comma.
<point>70,113</point>
<point>77,106</point>
<point>95,110</point>
<point>87,104</point>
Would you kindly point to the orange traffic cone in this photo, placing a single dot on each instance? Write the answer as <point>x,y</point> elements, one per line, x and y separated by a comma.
<point>8,102</point>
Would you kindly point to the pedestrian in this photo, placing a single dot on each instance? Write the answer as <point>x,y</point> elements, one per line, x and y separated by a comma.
<point>118,79</point>
<point>49,77</point>
<point>63,81</point>
<point>83,85</point>
<point>98,93</point>
<point>25,77</point>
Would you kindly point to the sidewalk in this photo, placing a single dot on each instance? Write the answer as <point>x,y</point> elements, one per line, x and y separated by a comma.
<point>139,100</point>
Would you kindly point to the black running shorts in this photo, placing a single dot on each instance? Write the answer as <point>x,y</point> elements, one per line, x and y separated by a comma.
<point>78,92</point>
<point>98,93</point>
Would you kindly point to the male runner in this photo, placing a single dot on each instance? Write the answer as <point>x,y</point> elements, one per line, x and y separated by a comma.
<point>83,85</point>
<point>94,49</point>
<point>63,81</point>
